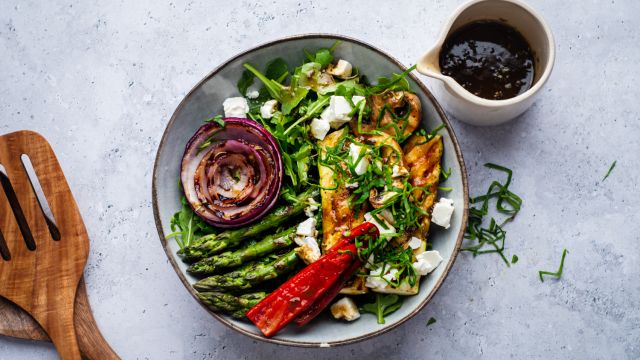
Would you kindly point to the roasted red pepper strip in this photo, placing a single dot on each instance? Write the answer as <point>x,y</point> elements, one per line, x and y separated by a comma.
<point>301,291</point>
<point>316,308</point>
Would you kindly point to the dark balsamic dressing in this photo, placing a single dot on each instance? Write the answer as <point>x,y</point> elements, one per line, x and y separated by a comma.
<point>490,59</point>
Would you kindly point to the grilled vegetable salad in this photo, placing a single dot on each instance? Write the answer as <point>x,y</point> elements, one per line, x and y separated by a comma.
<point>345,199</point>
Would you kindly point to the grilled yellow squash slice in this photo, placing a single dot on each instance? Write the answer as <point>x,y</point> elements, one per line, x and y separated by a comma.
<point>423,159</point>
<point>337,214</point>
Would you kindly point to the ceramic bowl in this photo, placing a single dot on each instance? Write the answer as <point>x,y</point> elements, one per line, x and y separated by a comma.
<point>472,109</point>
<point>205,100</point>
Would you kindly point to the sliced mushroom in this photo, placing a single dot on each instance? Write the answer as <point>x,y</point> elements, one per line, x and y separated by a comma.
<point>395,113</point>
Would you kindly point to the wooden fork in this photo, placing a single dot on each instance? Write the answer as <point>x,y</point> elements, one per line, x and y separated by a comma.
<point>42,259</point>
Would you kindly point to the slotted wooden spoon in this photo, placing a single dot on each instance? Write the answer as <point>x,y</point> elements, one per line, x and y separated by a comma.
<point>18,324</point>
<point>44,258</point>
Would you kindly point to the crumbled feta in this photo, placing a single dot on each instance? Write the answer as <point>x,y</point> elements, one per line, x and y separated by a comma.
<point>337,113</point>
<point>345,308</point>
<point>374,280</point>
<point>354,153</point>
<point>268,108</point>
<point>319,128</point>
<point>307,227</point>
<point>378,280</point>
<point>414,242</point>
<point>253,94</point>
<point>342,69</point>
<point>352,185</point>
<point>357,99</point>
<point>390,230</point>
<point>312,207</point>
<point>399,171</point>
<point>427,261</point>
<point>309,251</point>
<point>390,275</point>
<point>442,212</point>
<point>235,107</point>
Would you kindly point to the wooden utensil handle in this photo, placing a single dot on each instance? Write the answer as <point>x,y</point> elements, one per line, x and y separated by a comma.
<point>60,327</point>
<point>92,343</point>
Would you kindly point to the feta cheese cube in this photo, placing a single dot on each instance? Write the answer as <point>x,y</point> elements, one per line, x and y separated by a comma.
<point>345,308</point>
<point>312,207</point>
<point>341,69</point>
<point>309,251</point>
<point>427,261</point>
<point>375,280</point>
<point>378,280</point>
<point>319,128</point>
<point>235,107</point>
<point>390,275</point>
<point>360,166</point>
<point>357,99</point>
<point>268,108</point>
<point>390,230</point>
<point>414,243</point>
<point>337,113</point>
<point>307,228</point>
<point>253,94</point>
<point>442,212</point>
<point>340,108</point>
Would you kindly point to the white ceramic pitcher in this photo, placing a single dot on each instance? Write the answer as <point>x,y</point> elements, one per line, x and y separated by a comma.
<point>473,109</point>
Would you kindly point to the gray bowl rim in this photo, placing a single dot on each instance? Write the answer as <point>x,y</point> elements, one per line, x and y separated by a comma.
<point>452,136</point>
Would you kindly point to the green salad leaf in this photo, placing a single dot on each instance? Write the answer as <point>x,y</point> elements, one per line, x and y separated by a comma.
<point>383,306</point>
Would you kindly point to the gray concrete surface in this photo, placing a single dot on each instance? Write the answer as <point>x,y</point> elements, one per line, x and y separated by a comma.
<point>101,81</point>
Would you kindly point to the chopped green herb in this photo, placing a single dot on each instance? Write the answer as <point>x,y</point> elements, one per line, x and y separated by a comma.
<point>218,119</point>
<point>494,236</point>
<point>514,259</point>
<point>384,305</point>
<point>558,273</point>
<point>431,321</point>
<point>613,165</point>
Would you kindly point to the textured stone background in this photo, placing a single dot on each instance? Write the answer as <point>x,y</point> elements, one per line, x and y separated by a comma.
<point>101,81</point>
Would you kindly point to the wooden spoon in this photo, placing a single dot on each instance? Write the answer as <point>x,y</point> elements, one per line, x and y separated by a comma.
<point>43,258</point>
<point>18,324</point>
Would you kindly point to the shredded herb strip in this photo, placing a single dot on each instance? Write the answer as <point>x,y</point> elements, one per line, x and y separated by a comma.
<point>492,238</point>
<point>613,165</point>
<point>558,273</point>
<point>431,321</point>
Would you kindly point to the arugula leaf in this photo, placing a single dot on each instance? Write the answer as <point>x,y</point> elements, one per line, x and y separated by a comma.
<point>288,96</point>
<point>183,225</point>
<point>277,69</point>
<point>384,305</point>
<point>246,80</point>
<point>323,57</point>
<point>302,157</point>
<point>312,109</point>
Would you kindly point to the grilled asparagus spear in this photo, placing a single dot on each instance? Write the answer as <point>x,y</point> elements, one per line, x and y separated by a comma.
<point>209,245</point>
<point>237,306</point>
<point>249,276</point>
<point>236,258</point>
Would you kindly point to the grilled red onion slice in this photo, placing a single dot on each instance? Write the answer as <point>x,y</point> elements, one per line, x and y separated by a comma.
<point>231,175</point>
